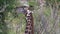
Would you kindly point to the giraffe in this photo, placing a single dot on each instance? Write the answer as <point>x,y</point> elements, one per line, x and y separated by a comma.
<point>29,24</point>
<point>29,19</point>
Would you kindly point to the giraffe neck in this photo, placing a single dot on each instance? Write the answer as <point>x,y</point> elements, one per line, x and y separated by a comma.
<point>29,25</point>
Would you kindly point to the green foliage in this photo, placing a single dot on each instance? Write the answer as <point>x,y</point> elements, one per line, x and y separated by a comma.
<point>11,3</point>
<point>2,2</point>
<point>47,12</point>
<point>32,3</point>
<point>10,7</point>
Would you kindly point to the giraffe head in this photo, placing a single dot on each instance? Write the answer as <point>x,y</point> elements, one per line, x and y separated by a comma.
<point>21,9</point>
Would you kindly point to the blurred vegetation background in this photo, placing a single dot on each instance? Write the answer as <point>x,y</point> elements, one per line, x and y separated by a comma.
<point>46,15</point>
